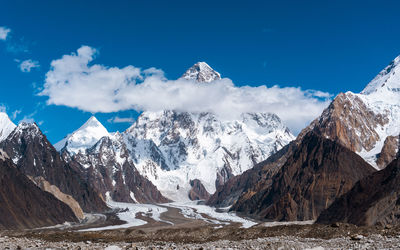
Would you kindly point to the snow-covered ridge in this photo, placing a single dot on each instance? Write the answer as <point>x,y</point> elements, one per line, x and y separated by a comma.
<point>386,82</point>
<point>84,137</point>
<point>373,115</point>
<point>382,96</point>
<point>6,126</point>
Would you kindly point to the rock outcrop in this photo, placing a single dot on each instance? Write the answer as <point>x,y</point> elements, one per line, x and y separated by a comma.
<point>389,151</point>
<point>198,191</point>
<point>349,121</point>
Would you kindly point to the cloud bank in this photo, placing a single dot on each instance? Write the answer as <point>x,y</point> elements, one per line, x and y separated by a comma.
<point>75,82</point>
<point>4,33</point>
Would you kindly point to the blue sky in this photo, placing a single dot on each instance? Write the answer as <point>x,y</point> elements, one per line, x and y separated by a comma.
<point>330,46</point>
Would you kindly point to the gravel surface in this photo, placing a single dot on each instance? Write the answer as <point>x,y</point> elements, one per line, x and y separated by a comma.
<point>286,242</point>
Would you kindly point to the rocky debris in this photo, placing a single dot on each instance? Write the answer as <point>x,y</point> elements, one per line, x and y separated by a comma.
<point>356,237</point>
<point>54,190</point>
<point>198,191</point>
<point>318,172</point>
<point>278,242</point>
<point>373,200</point>
<point>24,205</point>
<point>34,155</point>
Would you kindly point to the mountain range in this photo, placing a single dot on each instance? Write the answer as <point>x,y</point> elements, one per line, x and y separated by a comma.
<point>252,164</point>
<point>171,149</point>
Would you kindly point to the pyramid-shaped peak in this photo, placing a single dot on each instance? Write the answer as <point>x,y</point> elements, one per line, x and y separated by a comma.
<point>201,72</point>
<point>387,81</point>
<point>92,122</point>
<point>84,137</point>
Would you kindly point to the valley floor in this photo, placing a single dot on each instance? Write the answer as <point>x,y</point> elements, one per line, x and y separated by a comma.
<point>256,238</point>
<point>193,226</point>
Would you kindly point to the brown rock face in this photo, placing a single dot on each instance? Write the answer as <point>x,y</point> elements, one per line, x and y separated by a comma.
<point>389,151</point>
<point>24,205</point>
<point>350,122</point>
<point>318,172</point>
<point>372,200</point>
<point>198,191</point>
<point>35,156</point>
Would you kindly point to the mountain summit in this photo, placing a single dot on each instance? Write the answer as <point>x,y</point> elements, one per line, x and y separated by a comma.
<point>201,72</point>
<point>388,80</point>
<point>84,137</point>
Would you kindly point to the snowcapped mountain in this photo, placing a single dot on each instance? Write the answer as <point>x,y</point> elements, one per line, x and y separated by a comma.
<point>201,72</point>
<point>110,170</point>
<point>368,123</point>
<point>84,137</point>
<point>6,126</point>
<point>172,149</point>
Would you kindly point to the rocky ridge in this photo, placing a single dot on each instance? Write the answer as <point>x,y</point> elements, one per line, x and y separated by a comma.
<point>34,155</point>
<point>23,204</point>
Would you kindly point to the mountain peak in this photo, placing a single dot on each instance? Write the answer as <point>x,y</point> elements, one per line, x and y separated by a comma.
<point>92,122</point>
<point>6,126</point>
<point>201,72</point>
<point>84,137</point>
<point>387,81</point>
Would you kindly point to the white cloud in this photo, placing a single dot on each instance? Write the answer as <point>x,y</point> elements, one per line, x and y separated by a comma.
<point>74,82</point>
<point>28,65</point>
<point>118,119</point>
<point>3,108</point>
<point>15,114</point>
<point>4,33</point>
